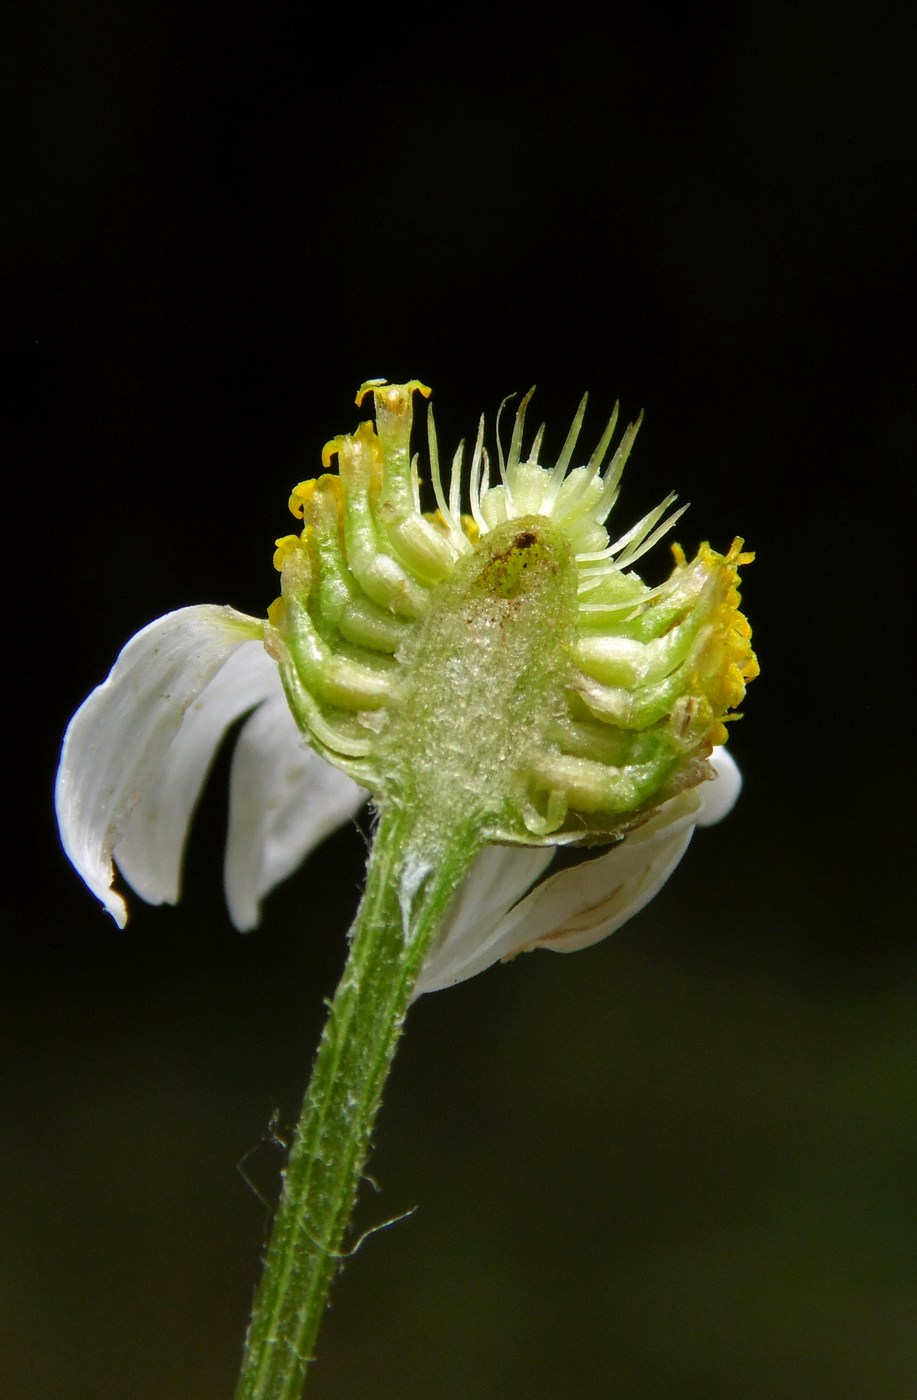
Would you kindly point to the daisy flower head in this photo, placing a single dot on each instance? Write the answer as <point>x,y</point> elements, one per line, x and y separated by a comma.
<point>494,666</point>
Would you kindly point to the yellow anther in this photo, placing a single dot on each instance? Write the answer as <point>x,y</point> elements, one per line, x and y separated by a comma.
<point>736,554</point>
<point>331,449</point>
<point>365,387</point>
<point>285,547</point>
<point>470,527</point>
<point>300,497</point>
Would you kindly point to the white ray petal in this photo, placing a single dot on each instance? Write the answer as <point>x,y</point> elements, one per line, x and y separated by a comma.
<point>497,878</point>
<point>494,919</point>
<point>718,796</point>
<point>578,907</point>
<point>583,905</point>
<point>284,799</point>
<point>150,855</point>
<point>120,736</point>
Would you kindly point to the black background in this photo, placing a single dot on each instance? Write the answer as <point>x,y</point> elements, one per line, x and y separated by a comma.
<point>678,1165</point>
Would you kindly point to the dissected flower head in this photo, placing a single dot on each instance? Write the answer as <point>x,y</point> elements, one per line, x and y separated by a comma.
<point>500,653</point>
<point>493,665</point>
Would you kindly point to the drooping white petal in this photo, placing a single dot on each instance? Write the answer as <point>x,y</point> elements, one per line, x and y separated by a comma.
<point>496,879</point>
<point>719,795</point>
<point>121,735</point>
<point>150,855</point>
<point>576,907</point>
<point>619,884</point>
<point>582,905</point>
<point>283,800</point>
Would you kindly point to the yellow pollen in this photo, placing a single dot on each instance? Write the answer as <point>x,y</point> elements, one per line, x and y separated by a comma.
<point>468,523</point>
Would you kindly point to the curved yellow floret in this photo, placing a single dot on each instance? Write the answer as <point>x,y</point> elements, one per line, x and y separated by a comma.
<point>726,663</point>
<point>284,547</point>
<point>393,395</point>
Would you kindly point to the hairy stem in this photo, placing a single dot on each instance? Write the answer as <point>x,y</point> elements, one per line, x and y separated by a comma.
<point>408,889</point>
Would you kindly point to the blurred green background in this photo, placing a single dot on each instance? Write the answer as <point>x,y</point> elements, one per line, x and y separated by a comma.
<point>681,1165</point>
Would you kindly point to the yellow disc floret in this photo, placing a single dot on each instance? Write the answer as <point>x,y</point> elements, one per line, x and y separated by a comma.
<point>726,663</point>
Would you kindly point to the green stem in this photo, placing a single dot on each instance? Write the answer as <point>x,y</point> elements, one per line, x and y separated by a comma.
<point>409,883</point>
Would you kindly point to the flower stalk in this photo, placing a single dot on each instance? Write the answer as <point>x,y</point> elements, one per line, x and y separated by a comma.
<point>389,940</point>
